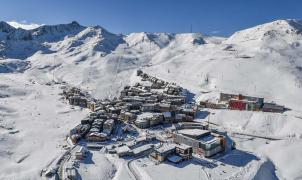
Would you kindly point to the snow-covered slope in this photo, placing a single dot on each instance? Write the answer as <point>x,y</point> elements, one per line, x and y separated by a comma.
<point>265,60</point>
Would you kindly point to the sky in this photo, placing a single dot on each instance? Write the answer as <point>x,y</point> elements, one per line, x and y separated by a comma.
<point>212,17</point>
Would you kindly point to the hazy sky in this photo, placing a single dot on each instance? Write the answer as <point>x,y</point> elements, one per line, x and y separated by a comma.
<point>220,17</point>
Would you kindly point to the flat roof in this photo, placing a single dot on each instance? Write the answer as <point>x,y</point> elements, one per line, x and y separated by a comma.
<point>167,114</point>
<point>122,149</point>
<point>193,132</point>
<point>165,148</point>
<point>145,115</point>
<point>207,138</point>
<point>142,148</point>
<point>183,146</point>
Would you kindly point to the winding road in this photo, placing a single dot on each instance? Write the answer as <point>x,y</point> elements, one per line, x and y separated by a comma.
<point>132,170</point>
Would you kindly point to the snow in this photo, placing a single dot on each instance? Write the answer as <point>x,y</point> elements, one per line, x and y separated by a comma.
<point>263,61</point>
<point>24,25</point>
<point>97,166</point>
<point>141,149</point>
<point>41,122</point>
<point>122,150</point>
<point>165,148</point>
<point>193,132</point>
<point>233,168</point>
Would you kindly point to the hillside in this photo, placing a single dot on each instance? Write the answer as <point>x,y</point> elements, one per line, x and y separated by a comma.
<point>264,61</point>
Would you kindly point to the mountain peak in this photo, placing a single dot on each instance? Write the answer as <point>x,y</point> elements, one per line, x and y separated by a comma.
<point>5,27</point>
<point>75,23</point>
<point>55,32</point>
<point>278,28</point>
<point>297,24</point>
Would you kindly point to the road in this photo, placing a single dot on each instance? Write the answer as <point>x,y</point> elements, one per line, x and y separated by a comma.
<point>132,170</point>
<point>206,173</point>
<point>221,128</point>
<point>62,168</point>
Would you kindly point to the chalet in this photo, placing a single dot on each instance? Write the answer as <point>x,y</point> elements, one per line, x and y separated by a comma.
<point>108,126</point>
<point>167,117</point>
<point>94,146</point>
<point>161,153</point>
<point>179,117</point>
<point>272,107</point>
<point>241,102</point>
<point>114,116</point>
<point>127,116</point>
<point>80,154</point>
<point>144,94</point>
<point>96,136</point>
<point>203,142</point>
<point>75,138</point>
<point>91,105</point>
<point>237,104</point>
<point>206,104</point>
<point>94,130</point>
<point>135,111</point>
<point>172,89</point>
<point>151,100</point>
<point>129,128</point>
<point>156,85</point>
<point>114,110</point>
<point>147,88</point>
<point>143,120</point>
<point>148,107</point>
<point>189,111</point>
<point>78,101</point>
<point>98,124</point>
<point>123,151</point>
<point>85,120</point>
<point>184,151</point>
<point>176,101</point>
<point>164,137</point>
<point>139,72</point>
<point>123,93</point>
<point>163,107</point>
<point>142,123</point>
<point>79,131</point>
<point>156,119</point>
<point>133,105</point>
<point>142,150</point>
<point>226,97</point>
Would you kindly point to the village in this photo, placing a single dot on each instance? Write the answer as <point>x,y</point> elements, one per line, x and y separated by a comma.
<point>152,118</point>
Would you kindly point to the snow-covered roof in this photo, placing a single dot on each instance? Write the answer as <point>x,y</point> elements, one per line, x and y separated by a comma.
<point>183,146</point>
<point>166,147</point>
<point>142,148</point>
<point>122,149</point>
<point>208,138</point>
<point>145,115</point>
<point>193,132</point>
<point>167,114</point>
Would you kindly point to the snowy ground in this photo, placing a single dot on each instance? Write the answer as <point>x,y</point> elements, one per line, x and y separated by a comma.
<point>33,126</point>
